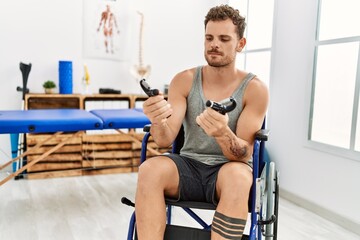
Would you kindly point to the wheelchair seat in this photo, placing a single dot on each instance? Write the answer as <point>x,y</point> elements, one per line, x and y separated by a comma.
<point>191,204</point>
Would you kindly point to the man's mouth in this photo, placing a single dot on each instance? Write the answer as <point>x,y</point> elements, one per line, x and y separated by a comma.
<point>214,53</point>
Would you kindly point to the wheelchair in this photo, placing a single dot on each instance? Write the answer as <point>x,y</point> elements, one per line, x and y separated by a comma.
<point>263,200</point>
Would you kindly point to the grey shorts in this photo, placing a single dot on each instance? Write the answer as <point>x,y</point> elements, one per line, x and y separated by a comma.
<point>197,180</point>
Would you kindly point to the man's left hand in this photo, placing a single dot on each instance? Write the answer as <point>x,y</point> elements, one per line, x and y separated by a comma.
<point>212,122</point>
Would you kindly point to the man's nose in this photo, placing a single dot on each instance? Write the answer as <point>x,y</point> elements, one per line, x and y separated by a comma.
<point>214,44</point>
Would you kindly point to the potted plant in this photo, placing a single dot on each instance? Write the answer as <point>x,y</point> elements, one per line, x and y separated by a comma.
<point>49,86</point>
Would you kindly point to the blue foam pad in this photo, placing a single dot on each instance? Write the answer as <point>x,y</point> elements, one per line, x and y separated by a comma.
<point>122,118</point>
<point>47,120</point>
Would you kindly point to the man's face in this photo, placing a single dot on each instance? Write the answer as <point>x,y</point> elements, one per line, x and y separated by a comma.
<point>221,43</point>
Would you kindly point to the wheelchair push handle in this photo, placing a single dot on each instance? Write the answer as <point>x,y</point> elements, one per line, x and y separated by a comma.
<point>147,89</point>
<point>224,107</point>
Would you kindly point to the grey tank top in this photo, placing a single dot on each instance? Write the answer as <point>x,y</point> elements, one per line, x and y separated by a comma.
<point>197,144</point>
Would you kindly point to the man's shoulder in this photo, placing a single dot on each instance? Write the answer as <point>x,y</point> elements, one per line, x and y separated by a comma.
<point>183,80</point>
<point>185,76</point>
<point>256,89</point>
<point>187,73</point>
<point>257,83</point>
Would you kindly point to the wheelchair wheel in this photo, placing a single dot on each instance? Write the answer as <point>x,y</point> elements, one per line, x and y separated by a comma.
<point>272,204</point>
<point>276,207</point>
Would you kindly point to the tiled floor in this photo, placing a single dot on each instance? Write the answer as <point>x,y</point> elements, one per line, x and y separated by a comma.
<point>89,208</point>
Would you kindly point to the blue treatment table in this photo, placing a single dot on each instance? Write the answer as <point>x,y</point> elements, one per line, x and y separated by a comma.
<point>51,120</point>
<point>121,118</point>
<point>58,121</point>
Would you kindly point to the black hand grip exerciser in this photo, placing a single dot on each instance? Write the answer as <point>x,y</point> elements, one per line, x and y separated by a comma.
<point>225,106</point>
<point>147,89</point>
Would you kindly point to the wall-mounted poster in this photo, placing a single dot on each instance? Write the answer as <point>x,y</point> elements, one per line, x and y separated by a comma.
<point>105,29</point>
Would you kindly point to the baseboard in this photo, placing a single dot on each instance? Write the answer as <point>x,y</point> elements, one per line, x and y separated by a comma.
<point>321,211</point>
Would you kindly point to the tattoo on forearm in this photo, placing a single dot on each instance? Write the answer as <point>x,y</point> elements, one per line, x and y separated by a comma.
<point>237,150</point>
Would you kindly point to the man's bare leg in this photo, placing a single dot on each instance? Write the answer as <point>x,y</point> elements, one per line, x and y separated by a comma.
<point>232,187</point>
<point>156,177</point>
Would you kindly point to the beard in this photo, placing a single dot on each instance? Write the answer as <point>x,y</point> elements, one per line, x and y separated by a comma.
<point>220,60</point>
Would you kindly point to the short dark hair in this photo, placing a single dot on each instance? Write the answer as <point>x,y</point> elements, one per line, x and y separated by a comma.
<point>224,12</point>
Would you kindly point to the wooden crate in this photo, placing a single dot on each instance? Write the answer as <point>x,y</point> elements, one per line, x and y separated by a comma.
<point>111,170</point>
<point>67,157</point>
<point>53,101</point>
<point>106,153</point>
<point>66,161</point>
<point>55,174</point>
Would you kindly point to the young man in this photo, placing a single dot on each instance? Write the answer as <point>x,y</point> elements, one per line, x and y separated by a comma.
<point>214,164</point>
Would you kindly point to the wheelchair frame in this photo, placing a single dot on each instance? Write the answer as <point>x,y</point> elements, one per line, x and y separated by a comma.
<point>263,200</point>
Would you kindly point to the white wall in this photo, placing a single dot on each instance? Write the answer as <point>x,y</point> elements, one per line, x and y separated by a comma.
<point>329,181</point>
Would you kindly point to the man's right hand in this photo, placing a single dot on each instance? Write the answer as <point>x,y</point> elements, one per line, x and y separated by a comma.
<point>157,109</point>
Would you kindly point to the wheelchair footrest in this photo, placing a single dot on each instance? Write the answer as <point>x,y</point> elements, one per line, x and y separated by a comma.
<point>173,232</point>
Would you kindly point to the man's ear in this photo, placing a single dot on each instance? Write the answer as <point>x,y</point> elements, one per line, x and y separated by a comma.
<point>241,44</point>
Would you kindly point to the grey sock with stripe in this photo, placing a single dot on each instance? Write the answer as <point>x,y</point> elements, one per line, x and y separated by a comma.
<point>228,227</point>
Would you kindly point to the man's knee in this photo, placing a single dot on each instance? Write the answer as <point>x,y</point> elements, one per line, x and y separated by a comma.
<point>146,173</point>
<point>157,172</point>
<point>234,177</point>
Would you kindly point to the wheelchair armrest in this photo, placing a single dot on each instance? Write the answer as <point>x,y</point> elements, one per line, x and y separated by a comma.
<point>262,134</point>
<point>146,128</point>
